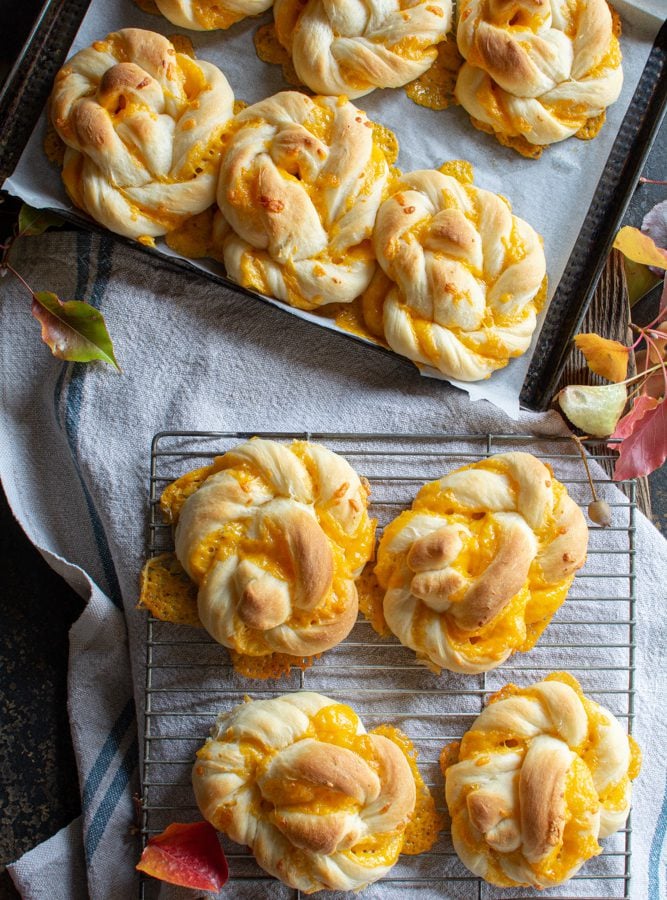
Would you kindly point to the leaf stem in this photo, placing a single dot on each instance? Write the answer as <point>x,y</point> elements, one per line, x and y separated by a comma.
<point>653,346</point>
<point>641,375</point>
<point>580,447</point>
<point>6,265</point>
<point>650,180</point>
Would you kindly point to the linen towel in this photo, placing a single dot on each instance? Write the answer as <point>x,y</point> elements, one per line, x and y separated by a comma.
<point>74,453</point>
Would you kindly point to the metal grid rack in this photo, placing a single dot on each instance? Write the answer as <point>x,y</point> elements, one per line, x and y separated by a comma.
<point>189,679</point>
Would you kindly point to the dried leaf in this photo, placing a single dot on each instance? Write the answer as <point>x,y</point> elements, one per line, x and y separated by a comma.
<point>74,330</point>
<point>604,357</point>
<point>639,280</point>
<point>36,221</point>
<point>654,224</point>
<point>639,247</point>
<point>187,855</point>
<point>595,410</point>
<point>645,448</point>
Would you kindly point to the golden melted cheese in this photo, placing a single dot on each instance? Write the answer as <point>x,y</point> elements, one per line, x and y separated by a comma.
<point>167,592</point>
<point>435,87</point>
<point>270,50</point>
<point>426,823</point>
<point>54,146</point>
<point>371,596</point>
<point>272,665</point>
<point>194,237</point>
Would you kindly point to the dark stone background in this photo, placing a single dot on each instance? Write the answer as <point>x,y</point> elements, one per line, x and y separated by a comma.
<point>38,782</point>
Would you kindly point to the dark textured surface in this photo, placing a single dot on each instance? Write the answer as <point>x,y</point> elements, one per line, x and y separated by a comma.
<point>39,791</point>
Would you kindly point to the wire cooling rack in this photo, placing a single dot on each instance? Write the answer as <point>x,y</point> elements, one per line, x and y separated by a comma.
<point>189,679</point>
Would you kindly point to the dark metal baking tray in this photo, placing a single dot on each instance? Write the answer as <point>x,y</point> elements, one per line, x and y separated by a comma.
<point>28,85</point>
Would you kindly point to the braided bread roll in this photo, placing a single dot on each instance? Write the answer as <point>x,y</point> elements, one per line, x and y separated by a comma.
<point>352,47</point>
<point>274,536</point>
<point>467,275</point>
<point>478,566</point>
<point>536,68</point>
<point>300,183</point>
<point>321,804</point>
<point>141,123</point>
<point>207,15</point>
<point>541,775</point>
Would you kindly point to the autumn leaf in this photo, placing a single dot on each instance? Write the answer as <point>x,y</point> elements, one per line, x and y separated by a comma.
<point>641,405</point>
<point>639,280</point>
<point>604,357</point>
<point>654,224</point>
<point>643,434</point>
<point>596,409</point>
<point>640,248</point>
<point>187,855</point>
<point>74,330</point>
<point>36,221</point>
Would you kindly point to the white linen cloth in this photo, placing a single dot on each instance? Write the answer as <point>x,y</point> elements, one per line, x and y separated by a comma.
<point>74,451</point>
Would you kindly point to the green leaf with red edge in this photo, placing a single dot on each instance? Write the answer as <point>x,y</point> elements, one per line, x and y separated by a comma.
<point>36,221</point>
<point>187,855</point>
<point>643,435</point>
<point>74,330</point>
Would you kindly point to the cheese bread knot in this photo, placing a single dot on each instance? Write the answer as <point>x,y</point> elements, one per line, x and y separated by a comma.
<point>141,123</point>
<point>480,563</point>
<point>207,15</point>
<point>274,536</point>
<point>322,804</point>
<point>352,47</point>
<point>538,69</point>
<point>541,775</point>
<point>300,183</point>
<point>466,275</point>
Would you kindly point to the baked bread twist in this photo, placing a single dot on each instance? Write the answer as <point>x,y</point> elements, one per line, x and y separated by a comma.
<point>141,123</point>
<point>535,68</point>
<point>478,566</point>
<point>352,47</point>
<point>467,275</point>
<point>541,775</point>
<point>274,535</point>
<point>207,15</point>
<point>300,183</point>
<point>322,804</point>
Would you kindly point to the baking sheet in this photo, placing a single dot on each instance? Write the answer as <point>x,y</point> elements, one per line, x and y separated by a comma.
<point>553,194</point>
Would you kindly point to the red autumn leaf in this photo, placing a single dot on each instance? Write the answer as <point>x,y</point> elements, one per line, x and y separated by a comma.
<point>187,855</point>
<point>641,405</point>
<point>643,431</point>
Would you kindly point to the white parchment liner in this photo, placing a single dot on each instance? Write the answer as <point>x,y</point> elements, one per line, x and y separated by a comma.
<point>553,193</point>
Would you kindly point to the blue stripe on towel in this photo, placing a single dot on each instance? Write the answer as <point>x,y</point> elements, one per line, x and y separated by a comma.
<point>657,843</point>
<point>107,753</point>
<point>114,793</point>
<point>72,416</point>
<point>73,408</point>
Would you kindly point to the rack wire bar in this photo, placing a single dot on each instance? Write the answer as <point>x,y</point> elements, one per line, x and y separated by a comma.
<point>189,678</point>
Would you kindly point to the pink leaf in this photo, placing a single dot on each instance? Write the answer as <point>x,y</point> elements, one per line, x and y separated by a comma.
<point>642,404</point>
<point>645,449</point>
<point>187,855</point>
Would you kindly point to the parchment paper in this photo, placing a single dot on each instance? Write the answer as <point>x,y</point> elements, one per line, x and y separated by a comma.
<point>553,193</point>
